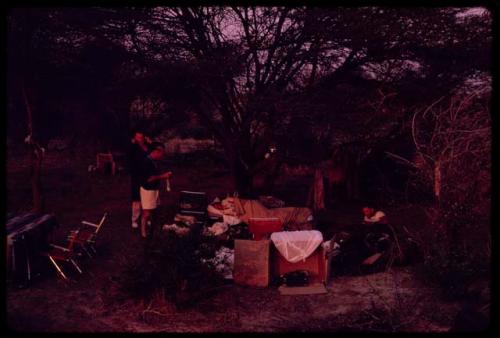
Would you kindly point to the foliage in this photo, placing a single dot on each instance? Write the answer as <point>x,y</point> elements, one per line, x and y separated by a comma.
<point>453,141</point>
<point>454,268</point>
<point>248,71</point>
<point>194,131</point>
<point>173,265</point>
<point>453,145</point>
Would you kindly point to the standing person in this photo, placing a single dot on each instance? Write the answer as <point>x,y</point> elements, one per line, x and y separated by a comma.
<point>150,179</point>
<point>139,150</point>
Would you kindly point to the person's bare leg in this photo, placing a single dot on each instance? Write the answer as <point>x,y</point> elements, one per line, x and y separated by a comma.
<point>136,213</point>
<point>146,217</point>
<point>150,222</point>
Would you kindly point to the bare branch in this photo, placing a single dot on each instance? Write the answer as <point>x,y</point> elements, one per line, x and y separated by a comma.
<point>414,131</point>
<point>401,159</point>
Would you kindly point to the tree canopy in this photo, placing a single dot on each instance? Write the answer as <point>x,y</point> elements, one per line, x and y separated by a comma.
<point>253,75</point>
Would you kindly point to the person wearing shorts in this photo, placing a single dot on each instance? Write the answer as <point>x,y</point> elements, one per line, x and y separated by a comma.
<point>151,178</point>
<point>139,149</point>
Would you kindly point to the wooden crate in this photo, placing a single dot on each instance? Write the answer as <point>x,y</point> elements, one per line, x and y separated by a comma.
<point>316,264</point>
<point>252,263</point>
<point>105,163</point>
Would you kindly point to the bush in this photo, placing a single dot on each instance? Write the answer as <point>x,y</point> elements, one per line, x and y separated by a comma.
<point>193,131</point>
<point>171,265</point>
<point>460,252</point>
<point>453,142</point>
<point>453,270</point>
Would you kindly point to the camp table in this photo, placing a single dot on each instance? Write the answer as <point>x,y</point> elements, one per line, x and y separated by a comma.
<point>27,235</point>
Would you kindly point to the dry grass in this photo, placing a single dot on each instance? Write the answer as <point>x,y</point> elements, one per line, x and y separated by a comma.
<point>94,303</point>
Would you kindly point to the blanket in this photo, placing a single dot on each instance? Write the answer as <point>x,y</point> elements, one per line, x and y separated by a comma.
<point>293,218</point>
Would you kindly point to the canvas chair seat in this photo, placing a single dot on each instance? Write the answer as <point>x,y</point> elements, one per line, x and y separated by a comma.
<point>87,235</point>
<point>60,254</point>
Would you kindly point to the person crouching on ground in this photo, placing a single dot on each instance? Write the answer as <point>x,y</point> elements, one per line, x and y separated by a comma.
<point>139,150</point>
<point>379,233</point>
<point>376,220</point>
<point>373,217</point>
<point>150,185</point>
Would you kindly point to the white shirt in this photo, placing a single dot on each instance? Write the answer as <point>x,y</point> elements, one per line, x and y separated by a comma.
<point>375,218</point>
<point>295,246</point>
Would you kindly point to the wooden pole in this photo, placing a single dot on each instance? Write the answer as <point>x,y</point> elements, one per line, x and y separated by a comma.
<point>318,191</point>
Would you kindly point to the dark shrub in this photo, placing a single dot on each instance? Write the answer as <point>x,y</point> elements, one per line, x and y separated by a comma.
<point>173,265</point>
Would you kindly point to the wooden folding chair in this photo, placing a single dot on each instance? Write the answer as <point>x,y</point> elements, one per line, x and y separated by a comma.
<point>87,235</point>
<point>105,163</point>
<point>57,253</point>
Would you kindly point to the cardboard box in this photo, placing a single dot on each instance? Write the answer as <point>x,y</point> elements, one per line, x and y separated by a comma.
<point>314,289</point>
<point>316,264</point>
<point>252,263</point>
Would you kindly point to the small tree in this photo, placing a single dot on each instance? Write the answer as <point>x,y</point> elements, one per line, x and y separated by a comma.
<point>453,143</point>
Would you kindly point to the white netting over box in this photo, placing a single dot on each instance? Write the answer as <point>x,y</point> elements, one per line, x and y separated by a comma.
<point>295,246</point>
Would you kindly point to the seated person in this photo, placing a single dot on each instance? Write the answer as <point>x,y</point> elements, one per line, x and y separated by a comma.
<point>373,217</point>
<point>379,234</point>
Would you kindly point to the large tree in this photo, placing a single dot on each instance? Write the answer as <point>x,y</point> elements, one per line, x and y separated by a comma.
<point>248,61</point>
<point>251,73</point>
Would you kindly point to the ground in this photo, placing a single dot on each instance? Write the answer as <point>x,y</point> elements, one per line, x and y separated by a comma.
<point>396,300</point>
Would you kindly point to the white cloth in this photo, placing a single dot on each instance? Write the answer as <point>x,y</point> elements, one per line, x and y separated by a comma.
<point>218,228</point>
<point>181,231</point>
<point>228,206</point>
<point>149,199</point>
<point>375,218</point>
<point>189,220</point>
<point>230,220</point>
<point>295,246</point>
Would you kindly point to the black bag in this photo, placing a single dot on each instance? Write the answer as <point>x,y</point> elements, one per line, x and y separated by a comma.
<point>295,278</point>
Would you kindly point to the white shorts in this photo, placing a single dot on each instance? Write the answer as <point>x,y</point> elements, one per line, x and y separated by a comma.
<point>150,199</point>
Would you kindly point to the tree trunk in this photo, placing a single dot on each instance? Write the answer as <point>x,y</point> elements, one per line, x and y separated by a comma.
<point>352,180</point>
<point>36,186</point>
<point>317,192</point>
<point>241,174</point>
<point>265,173</point>
<point>36,159</point>
<point>243,180</point>
<point>437,182</point>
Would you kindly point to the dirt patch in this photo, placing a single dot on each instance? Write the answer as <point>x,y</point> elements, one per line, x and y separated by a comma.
<point>394,300</point>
